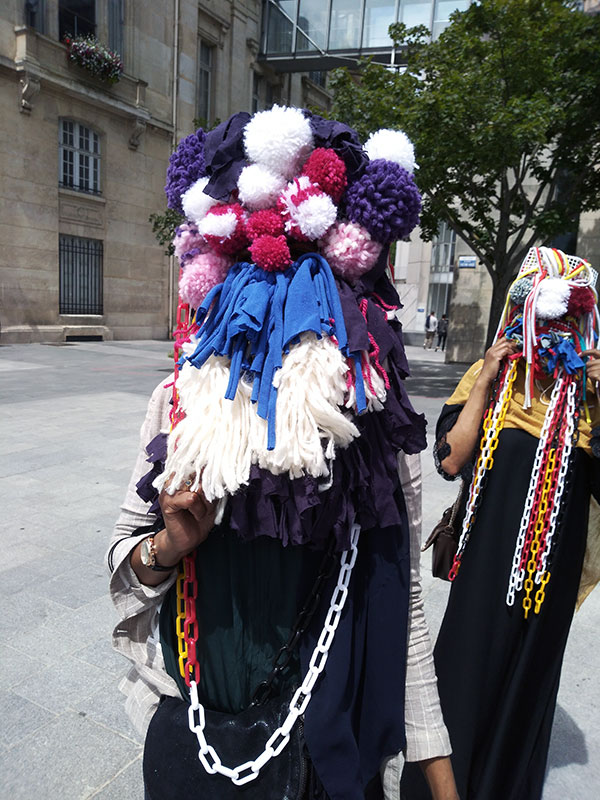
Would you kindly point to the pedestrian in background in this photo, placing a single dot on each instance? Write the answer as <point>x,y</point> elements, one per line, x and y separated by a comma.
<point>431,324</point>
<point>442,333</point>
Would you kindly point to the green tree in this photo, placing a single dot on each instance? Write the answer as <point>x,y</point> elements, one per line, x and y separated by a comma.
<point>504,111</point>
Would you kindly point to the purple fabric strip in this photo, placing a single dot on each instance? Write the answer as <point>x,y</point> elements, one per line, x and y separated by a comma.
<point>224,155</point>
<point>157,455</point>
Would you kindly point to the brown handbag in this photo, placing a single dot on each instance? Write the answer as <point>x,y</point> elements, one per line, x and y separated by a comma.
<point>444,538</point>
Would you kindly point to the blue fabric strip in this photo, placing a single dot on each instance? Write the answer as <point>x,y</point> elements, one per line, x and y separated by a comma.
<point>255,316</point>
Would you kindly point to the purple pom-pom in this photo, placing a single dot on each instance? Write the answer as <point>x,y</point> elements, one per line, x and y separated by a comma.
<point>186,165</point>
<point>384,200</point>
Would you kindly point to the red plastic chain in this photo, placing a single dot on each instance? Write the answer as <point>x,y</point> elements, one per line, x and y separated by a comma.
<point>190,628</point>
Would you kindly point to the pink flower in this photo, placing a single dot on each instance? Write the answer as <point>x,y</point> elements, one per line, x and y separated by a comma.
<point>271,253</point>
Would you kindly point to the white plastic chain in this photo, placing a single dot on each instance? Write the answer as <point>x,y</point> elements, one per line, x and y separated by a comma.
<point>561,481</point>
<point>517,575</point>
<point>249,770</point>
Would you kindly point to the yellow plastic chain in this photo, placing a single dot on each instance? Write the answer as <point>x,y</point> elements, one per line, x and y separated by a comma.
<point>539,529</point>
<point>487,446</point>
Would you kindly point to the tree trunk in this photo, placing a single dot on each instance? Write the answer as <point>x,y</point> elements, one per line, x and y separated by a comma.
<point>505,273</point>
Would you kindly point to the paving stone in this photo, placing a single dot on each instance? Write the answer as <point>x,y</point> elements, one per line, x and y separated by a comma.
<point>127,785</point>
<point>70,759</point>
<point>15,666</point>
<point>105,707</point>
<point>102,654</point>
<point>20,718</point>
<point>75,588</point>
<point>64,685</point>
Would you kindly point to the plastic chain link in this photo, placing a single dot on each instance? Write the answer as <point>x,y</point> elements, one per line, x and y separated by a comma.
<point>244,773</point>
<point>492,425</point>
<point>517,574</point>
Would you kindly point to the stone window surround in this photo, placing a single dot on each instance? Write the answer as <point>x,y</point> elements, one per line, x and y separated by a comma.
<point>93,156</point>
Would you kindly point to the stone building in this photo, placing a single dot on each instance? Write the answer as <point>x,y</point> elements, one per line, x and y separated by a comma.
<point>83,162</point>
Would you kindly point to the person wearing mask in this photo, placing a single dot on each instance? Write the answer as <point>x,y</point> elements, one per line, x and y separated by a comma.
<point>265,565</point>
<point>522,429</point>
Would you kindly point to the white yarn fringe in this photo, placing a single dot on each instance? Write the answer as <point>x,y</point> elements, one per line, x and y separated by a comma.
<point>375,402</point>
<point>219,440</point>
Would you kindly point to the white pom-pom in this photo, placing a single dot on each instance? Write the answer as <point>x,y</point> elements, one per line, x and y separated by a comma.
<point>553,298</point>
<point>195,202</point>
<point>221,225</point>
<point>258,187</point>
<point>392,146</point>
<point>315,215</point>
<point>280,139</point>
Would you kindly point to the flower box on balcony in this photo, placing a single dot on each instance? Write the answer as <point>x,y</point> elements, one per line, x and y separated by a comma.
<point>90,54</point>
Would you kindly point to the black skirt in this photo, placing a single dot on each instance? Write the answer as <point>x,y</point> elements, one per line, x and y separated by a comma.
<point>498,673</point>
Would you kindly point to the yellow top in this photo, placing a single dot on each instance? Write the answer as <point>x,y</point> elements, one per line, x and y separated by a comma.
<point>531,419</point>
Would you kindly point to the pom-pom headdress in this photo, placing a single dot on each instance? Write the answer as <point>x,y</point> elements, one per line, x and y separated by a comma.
<point>551,312</point>
<point>283,345</point>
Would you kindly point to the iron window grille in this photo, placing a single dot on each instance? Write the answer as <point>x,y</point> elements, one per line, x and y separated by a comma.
<point>80,275</point>
<point>78,157</point>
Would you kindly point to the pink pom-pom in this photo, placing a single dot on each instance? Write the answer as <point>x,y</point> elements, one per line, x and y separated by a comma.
<point>349,249</point>
<point>202,273</point>
<point>326,169</point>
<point>264,223</point>
<point>581,301</point>
<point>188,238</point>
<point>224,228</point>
<point>271,253</point>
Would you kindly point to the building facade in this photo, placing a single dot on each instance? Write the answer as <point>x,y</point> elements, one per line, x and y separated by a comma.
<point>83,162</point>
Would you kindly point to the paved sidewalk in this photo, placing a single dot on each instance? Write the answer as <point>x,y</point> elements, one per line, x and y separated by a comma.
<point>70,420</point>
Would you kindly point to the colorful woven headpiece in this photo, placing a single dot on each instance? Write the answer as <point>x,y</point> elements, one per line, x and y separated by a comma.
<point>288,346</point>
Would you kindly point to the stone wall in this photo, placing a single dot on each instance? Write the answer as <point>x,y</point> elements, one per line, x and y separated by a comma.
<point>138,120</point>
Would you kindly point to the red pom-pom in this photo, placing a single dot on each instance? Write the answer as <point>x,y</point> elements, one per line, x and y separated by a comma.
<point>325,168</point>
<point>228,236</point>
<point>581,301</point>
<point>266,222</point>
<point>271,253</point>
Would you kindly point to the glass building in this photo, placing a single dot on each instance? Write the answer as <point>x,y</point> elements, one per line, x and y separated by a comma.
<point>321,34</point>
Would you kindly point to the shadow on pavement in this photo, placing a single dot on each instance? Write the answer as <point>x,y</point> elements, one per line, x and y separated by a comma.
<point>567,745</point>
<point>433,380</point>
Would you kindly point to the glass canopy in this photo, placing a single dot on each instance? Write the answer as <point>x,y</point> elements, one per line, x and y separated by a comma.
<point>303,35</point>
